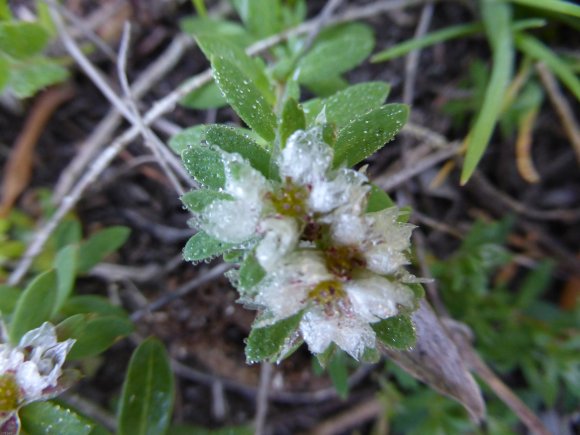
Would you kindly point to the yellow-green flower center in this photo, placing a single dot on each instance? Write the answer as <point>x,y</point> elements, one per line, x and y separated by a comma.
<point>9,393</point>
<point>343,260</point>
<point>327,292</point>
<point>290,200</point>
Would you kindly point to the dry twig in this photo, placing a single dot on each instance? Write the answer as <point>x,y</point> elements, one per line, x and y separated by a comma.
<point>562,107</point>
<point>412,61</point>
<point>266,371</point>
<point>19,166</point>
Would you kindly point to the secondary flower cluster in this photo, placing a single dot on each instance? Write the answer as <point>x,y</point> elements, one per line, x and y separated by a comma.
<point>323,255</point>
<point>30,372</point>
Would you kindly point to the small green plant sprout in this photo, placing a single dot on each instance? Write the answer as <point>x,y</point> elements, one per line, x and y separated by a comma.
<point>321,251</point>
<point>31,371</point>
<point>24,69</point>
<point>32,350</point>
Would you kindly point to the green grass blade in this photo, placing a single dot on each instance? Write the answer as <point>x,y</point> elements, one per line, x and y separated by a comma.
<point>496,17</point>
<point>562,7</point>
<point>452,32</point>
<point>199,6</point>
<point>536,50</point>
<point>432,38</point>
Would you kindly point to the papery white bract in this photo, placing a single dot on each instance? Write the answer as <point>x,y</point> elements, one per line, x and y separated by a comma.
<point>379,236</point>
<point>32,370</point>
<point>335,310</point>
<point>235,221</point>
<point>278,211</point>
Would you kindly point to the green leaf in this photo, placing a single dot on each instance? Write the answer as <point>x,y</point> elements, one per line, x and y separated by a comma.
<point>396,332</point>
<point>347,105</point>
<point>35,305</point>
<point>45,20</point>
<point>65,265</point>
<point>99,245</point>
<point>269,342</point>
<point>197,200</point>
<point>229,30</point>
<point>251,273</point>
<point>5,12</point>
<point>536,50</point>
<point>68,232</point>
<point>558,6</point>
<point>261,18</point>
<point>378,200</point>
<point>47,418</point>
<point>534,284</point>
<point>231,140</point>
<point>205,165</point>
<point>245,97</point>
<point>188,137</point>
<point>22,39</point>
<point>368,133</point>
<point>252,69</point>
<point>418,290</point>
<point>292,119</point>
<point>497,19</point>
<point>446,34</point>
<point>335,51</point>
<point>208,96</point>
<point>202,246</point>
<point>324,358</point>
<point>8,299</point>
<point>91,304</point>
<point>339,374</point>
<point>371,356</point>
<point>233,256</point>
<point>96,334</point>
<point>148,392</point>
<point>34,74</point>
<point>324,87</point>
<point>429,39</point>
<point>4,73</point>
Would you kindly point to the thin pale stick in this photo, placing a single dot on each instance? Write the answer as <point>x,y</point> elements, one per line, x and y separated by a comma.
<point>203,278</point>
<point>562,107</point>
<point>266,371</point>
<point>389,182</point>
<point>412,61</point>
<point>151,140</point>
<point>104,130</point>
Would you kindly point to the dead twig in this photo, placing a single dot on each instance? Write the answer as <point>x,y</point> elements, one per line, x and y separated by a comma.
<point>92,410</point>
<point>128,108</point>
<point>389,181</point>
<point>203,278</point>
<point>412,60</point>
<point>500,200</point>
<point>477,366</point>
<point>19,166</point>
<point>266,371</point>
<point>151,140</point>
<point>351,418</point>
<point>562,107</point>
<point>524,161</point>
<point>104,130</point>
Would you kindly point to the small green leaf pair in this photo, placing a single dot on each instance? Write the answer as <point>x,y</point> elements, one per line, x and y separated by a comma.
<point>23,68</point>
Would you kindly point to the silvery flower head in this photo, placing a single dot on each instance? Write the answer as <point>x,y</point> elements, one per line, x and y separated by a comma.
<point>324,257</point>
<point>30,371</point>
